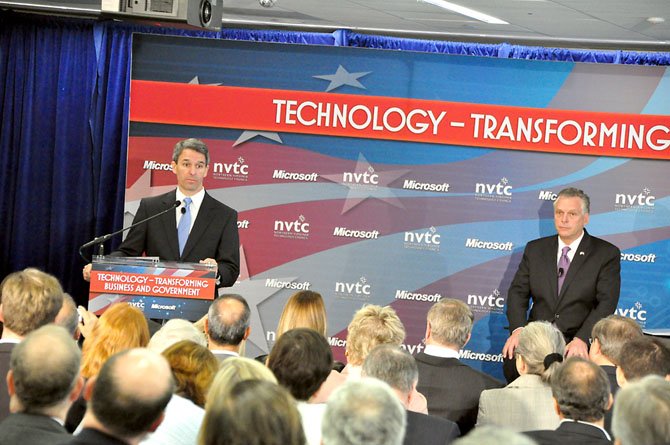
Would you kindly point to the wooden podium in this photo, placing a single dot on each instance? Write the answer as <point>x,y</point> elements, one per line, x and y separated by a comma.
<point>161,289</point>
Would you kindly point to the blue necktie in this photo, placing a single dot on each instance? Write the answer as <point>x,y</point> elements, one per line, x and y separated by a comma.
<point>184,226</point>
<point>563,265</point>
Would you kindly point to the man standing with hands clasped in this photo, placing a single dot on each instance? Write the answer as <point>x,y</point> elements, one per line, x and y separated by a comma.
<point>573,280</point>
<point>201,229</point>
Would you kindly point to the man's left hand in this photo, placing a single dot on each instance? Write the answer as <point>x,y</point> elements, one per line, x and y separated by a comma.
<point>577,347</point>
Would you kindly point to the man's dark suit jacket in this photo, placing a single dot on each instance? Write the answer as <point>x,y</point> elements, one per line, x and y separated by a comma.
<point>31,429</point>
<point>214,235</point>
<point>452,389</point>
<point>5,354</point>
<point>429,430</point>
<point>570,433</point>
<point>590,290</point>
<point>89,436</point>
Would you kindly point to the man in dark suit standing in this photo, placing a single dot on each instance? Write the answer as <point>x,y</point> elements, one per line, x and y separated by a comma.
<point>43,381</point>
<point>394,366</point>
<point>573,279</point>
<point>452,388</point>
<point>201,229</point>
<point>581,393</point>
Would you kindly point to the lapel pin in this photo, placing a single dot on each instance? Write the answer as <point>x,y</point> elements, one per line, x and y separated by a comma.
<point>581,253</point>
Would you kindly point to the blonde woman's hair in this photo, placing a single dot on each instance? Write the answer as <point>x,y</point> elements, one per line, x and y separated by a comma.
<point>233,370</point>
<point>372,325</point>
<point>536,341</point>
<point>304,309</point>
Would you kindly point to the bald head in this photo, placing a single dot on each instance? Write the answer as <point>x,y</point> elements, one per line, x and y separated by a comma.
<point>44,369</point>
<point>131,392</point>
<point>228,320</point>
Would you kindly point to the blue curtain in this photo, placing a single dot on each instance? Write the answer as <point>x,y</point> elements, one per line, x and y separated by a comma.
<point>64,106</point>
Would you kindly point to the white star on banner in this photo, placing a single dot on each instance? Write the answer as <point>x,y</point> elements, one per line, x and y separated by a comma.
<point>196,81</point>
<point>343,77</point>
<point>248,135</point>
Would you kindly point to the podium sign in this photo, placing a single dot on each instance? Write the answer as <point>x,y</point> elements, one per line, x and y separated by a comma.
<point>162,290</point>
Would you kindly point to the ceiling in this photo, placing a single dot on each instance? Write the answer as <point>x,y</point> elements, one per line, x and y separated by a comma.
<point>619,24</point>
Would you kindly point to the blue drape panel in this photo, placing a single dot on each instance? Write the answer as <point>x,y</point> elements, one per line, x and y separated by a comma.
<point>64,104</point>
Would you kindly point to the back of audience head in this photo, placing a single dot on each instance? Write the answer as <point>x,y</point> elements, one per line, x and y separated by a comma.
<point>642,412</point>
<point>193,368</point>
<point>120,327</point>
<point>449,323</point>
<point>228,320</point>
<point>372,325</point>
<point>129,395</point>
<point>540,350</point>
<point>254,412</point>
<point>174,331</point>
<point>363,412</point>
<point>234,370</point>
<point>581,390</point>
<point>304,309</point>
<point>301,360</point>
<point>609,335</point>
<point>494,435</point>
<point>394,366</point>
<point>44,372</point>
<point>68,317</point>
<point>641,357</point>
<point>29,299</point>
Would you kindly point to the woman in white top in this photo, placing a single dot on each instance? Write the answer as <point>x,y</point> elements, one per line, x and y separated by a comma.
<point>526,404</point>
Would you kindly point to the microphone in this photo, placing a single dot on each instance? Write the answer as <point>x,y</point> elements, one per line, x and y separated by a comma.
<point>560,272</point>
<point>183,210</point>
<point>101,239</point>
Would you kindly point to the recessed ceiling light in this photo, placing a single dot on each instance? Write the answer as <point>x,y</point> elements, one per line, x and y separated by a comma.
<point>656,20</point>
<point>466,11</point>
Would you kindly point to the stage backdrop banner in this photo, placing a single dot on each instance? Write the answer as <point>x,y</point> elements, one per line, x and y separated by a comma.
<point>400,178</point>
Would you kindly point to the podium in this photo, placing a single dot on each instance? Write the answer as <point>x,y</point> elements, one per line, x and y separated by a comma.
<point>160,289</point>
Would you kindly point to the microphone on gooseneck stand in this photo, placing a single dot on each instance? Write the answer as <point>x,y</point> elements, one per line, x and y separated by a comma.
<point>101,239</point>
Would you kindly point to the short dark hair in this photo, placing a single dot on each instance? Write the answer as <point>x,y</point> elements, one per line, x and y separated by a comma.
<point>581,389</point>
<point>45,366</point>
<point>644,356</point>
<point>301,360</point>
<point>121,410</point>
<point>190,144</point>
<point>223,328</point>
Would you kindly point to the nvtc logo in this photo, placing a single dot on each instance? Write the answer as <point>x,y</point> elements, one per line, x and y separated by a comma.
<point>367,177</point>
<point>237,171</point>
<point>493,302</point>
<point>636,313</point>
<point>358,290</point>
<point>423,240</point>
<point>500,192</point>
<point>643,201</point>
<point>298,229</point>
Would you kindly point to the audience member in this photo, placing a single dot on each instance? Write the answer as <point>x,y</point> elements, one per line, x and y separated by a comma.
<point>255,412</point>
<point>364,412</point>
<point>397,368</point>
<point>234,370</point>
<point>193,368</point>
<point>227,325</point>
<point>607,339</point>
<point>581,392</point>
<point>43,381</point>
<point>29,299</point>
<point>68,317</point>
<point>301,360</point>
<point>526,403</point>
<point>642,357</point>
<point>304,309</point>
<point>126,400</point>
<point>494,435</point>
<point>119,328</point>
<point>371,325</point>
<point>174,331</point>
<point>642,412</point>
<point>451,387</point>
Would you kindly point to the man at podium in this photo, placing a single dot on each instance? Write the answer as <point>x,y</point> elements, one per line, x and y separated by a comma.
<point>201,229</point>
